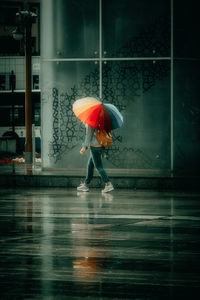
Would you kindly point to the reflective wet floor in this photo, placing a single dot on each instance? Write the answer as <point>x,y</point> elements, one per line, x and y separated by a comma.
<point>129,244</point>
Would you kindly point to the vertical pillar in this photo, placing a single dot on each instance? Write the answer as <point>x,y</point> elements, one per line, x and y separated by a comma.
<point>28,96</point>
<point>100,50</point>
<point>172,88</point>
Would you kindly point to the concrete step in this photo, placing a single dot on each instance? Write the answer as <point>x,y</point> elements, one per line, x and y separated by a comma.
<point>35,176</point>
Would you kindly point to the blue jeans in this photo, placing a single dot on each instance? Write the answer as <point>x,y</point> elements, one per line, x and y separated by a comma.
<point>95,160</point>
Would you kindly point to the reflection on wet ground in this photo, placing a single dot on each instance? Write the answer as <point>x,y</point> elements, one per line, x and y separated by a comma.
<point>129,244</point>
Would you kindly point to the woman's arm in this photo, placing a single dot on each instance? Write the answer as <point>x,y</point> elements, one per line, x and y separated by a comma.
<point>88,138</point>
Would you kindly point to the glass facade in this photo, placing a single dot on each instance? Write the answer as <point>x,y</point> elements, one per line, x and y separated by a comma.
<point>186,87</point>
<point>136,28</point>
<point>70,28</point>
<point>127,53</point>
<point>141,91</point>
<point>187,116</point>
<point>186,30</point>
<point>65,82</point>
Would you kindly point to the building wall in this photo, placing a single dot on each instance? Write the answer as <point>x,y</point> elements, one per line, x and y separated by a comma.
<point>122,52</point>
<point>17,65</point>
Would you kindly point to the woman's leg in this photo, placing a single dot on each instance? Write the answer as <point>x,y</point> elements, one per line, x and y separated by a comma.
<point>97,161</point>
<point>90,170</point>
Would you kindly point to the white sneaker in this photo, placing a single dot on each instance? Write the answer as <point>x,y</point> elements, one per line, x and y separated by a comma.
<point>83,188</point>
<point>108,188</point>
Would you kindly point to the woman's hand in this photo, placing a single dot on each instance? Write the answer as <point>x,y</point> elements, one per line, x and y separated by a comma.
<point>83,149</point>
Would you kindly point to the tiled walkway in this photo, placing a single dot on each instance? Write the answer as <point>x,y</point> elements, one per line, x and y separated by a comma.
<point>130,244</point>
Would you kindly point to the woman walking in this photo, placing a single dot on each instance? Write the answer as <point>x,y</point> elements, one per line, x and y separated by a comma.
<point>95,161</point>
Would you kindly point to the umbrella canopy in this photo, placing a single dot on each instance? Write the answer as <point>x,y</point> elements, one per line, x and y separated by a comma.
<point>96,114</point>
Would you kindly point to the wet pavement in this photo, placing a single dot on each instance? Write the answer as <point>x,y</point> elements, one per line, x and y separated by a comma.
<point>129,244</point>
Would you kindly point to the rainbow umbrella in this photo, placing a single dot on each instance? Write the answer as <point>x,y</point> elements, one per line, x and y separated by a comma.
<point>97,114</point>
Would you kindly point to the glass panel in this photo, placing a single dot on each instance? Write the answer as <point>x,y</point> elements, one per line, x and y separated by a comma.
<point>186,116</point>
<point>69,28</point>
<point>62,132</point>
<point>186,29</point>
<point>137,28</point>
<point>5,119</point>
<point>141,91</point>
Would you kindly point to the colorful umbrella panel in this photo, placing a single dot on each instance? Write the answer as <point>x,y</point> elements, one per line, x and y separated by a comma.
<point>97,114</point>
